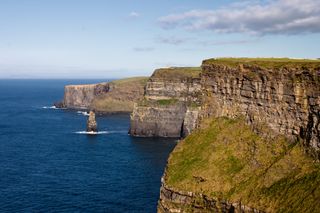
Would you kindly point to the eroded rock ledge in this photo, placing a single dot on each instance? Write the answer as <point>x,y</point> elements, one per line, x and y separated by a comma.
<point>172,201</point>
<point>224,166</point>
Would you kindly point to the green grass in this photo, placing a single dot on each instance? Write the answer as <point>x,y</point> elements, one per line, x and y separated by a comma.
<point>177,73</point>
<point>124,93</point>
<point>139,80</point>
<point>165,102</point>
<point>268,63</point>
<point>269,174</point>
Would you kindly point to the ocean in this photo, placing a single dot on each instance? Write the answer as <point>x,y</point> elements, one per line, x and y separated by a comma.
<point>48,165</point>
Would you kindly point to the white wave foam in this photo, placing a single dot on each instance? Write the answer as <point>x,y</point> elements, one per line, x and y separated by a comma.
<point>92,133</point>
<point>100,132</point>
<point>83,113</point>
<point>49,107</point>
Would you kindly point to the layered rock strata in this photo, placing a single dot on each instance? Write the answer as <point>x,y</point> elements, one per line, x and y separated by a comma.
<point>172,200</point>
<point>82,96</point>
<point>170,106</point>
<point>283,96</point>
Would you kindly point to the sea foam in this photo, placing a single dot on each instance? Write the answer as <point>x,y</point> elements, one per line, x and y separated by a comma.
<point>100,132</point>
<point>83,113</point>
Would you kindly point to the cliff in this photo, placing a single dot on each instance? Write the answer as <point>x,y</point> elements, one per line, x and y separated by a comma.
<point>258,117</point>
<point>82,96</point>
<point>224,166</point>
<point>171,104</point>
<point>283,94</point>
<point>115,96</point>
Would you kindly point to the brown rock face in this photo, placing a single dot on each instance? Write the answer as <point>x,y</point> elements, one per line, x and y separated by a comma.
<point>91,123</point>
<point>285,99</point>
<point>284,96</point>
<point>170,104</point>
<point>173,200</point>
<point>81,96</point>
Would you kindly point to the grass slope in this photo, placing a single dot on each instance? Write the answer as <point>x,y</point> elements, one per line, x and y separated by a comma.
<point>225,159</point>
<point>177,73</point>
<point>122,96</point>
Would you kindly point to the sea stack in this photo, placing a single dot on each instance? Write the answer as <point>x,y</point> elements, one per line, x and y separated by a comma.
<point>91,123</point>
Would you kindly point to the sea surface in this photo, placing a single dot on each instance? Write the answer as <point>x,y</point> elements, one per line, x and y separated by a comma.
<point>47,164</point>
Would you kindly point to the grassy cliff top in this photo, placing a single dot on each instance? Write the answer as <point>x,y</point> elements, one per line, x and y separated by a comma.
<point>177,72</point>
<point>265,62</point>
<point>124,93</point>
<point>225,159</point>
<point>139,80</point>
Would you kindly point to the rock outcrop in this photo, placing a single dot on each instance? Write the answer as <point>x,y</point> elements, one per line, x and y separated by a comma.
<point>92,123</point>
<point>170,106</point>
<point>173,200</point>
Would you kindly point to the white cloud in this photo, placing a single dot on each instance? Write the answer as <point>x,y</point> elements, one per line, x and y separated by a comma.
<point>172,40</point>
<point>143,49</point>
<point>258,17</point>
<point>134,14</point>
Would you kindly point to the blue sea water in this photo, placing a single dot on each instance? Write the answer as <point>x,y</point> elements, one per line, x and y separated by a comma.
<point>47,166</point>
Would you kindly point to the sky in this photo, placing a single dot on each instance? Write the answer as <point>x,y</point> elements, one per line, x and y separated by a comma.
<point>123,38</point>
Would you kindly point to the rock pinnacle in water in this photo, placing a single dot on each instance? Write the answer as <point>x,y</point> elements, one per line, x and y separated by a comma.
<point>91,123</point>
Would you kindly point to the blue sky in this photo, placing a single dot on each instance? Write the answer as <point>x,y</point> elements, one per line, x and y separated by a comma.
<point>112,39</point>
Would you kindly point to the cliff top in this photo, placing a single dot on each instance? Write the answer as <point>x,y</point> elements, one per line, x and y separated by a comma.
<point>225,159</point>
<point>84,85</point>
<point>140,80</point>
<point>267,63</point>
<point>121,98</point>
<point>177,72</point>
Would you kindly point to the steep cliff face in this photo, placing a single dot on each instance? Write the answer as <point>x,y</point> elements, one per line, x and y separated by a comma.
<point>171,104</point>
<point>115,96</point>
<point>82,96</point>
<point>284,95</point>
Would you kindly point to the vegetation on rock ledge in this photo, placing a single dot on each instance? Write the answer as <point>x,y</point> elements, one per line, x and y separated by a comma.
<point>177,73</point>
<point>124,93</point>
<point>268,63</point>
<point>226,160</point>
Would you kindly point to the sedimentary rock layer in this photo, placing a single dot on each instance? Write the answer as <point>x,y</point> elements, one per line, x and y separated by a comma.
<point>170,105</point>
<point>283,96</point>
<point>82,96</point>
<point>172,200</point>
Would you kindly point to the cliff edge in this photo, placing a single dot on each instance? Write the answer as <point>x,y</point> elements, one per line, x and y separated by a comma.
<point>258,118</point>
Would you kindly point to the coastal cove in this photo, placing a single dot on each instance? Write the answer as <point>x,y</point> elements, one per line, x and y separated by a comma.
<point>48,165</point>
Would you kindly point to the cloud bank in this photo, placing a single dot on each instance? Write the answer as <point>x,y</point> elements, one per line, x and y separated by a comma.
<point>286,17</point>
